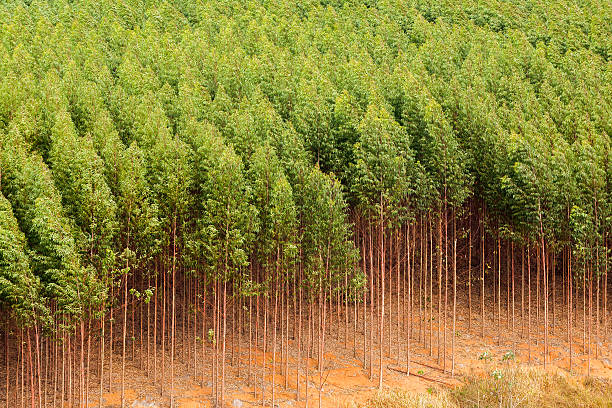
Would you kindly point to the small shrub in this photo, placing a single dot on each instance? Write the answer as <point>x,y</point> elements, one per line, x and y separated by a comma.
<point>485,356</point>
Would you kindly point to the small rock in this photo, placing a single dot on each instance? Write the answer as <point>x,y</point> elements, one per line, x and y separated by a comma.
<point>237,403</point>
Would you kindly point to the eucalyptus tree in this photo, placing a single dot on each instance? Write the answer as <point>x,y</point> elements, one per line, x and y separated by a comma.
<point>139,224</point>
<point>71,288</point>
<point>19,288</point>
<point>27,184</point>
<point>587,216</point>
<point>225,226</point>
<point>125,171</point>
<point>327,246</point>
<point>272,196</point>
<point>312,117</point>
<point>20,295</point>
<point>78,174</point>
<point>528,186</point>
<point>380,183</point>
<point>253,123</point>
<point>170,176</point>
<point>437,147</point>
<point>283,216</point>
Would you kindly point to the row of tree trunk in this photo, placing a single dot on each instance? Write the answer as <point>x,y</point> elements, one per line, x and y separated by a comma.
<point>415,275</point>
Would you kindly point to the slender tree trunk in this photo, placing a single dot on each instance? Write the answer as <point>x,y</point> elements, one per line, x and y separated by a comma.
<point>82,401</point>
<point>173,329</point>
<point>163,328</point>
<point>431,272</point>
<point>545,272</point>
<point>156,293</point>
<point>554,294</point>
<point>584,321</point>
<point>365,294</point>
<point>125,300</point>
<point>397,285</point>
<point>20,364</point>
<point>512,265</point>
<point>605,289</point>
<point>287,310</point>
<point>56,366</point>
<point>538,268</point>
<point>440,259</point>
<point>569,306</point>
<point>204,322</point>
<point>498,290</point>
<point>529,301</point>
<point>309,340</point>
<point>469,283</point>
<point>522,292</point>
<point>597,326</point>
<point>31,370</point>
<point>408,271</point>
<point>382,301</point>
<point>6,356</point>
<point>445,325</point>
<point>507,268</point>
<point>421,279</point>
<point>371,302</point>
<point>48,380</point>
<point>274,330</point>
<point>299,333</point>
<point>148,366</point>
<point>454,295</point>
<point>39,371</point>
<point>110,341</point>
<point>70,371</point>
<point>590,342</point>
<point>223,353</point>
<point>482,280</point>
<point>265,329</point>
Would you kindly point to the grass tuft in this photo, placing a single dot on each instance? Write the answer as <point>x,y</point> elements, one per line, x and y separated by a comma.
<point>507,388</point>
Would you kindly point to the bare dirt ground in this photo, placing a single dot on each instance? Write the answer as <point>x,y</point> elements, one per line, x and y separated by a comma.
<point>346,381</point>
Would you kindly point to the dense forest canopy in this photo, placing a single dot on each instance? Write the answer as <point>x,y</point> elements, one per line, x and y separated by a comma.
<point>250,145</point>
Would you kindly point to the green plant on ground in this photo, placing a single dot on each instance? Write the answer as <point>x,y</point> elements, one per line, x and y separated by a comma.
<point>508,388</point>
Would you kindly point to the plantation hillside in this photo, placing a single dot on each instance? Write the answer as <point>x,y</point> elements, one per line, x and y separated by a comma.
<point>249,197</point>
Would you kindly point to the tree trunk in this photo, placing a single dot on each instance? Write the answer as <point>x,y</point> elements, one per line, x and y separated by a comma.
<point>454,296</point>
<point>569,306</point>
<point>371,302</point>
<point>482,280</point>
<point>439,282</point>
<point>173,328</point>
<point>529,301</point>
<point>382,301</point>
<point>469,283</point>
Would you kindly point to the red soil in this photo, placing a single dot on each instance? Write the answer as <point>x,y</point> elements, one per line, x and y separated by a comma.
<point>346,382</point>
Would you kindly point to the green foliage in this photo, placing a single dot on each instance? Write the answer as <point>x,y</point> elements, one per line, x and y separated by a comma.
<point>326,241</point>
<point>383,160</point>
<point>37,206</point>
<point>19,288</point>
<point>228,217</point>
<point>484,356</point>
<point>78,174</point>
<point>243,133</point>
